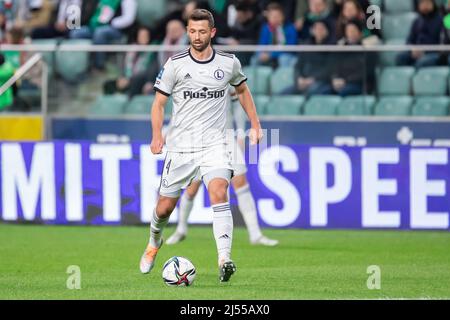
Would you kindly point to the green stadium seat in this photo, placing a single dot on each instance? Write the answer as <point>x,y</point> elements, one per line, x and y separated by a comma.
<point>261,102</point>
<point>48,56</point>
<point>395,81</point>
<point>388,58</point>
<point>431,81</point>
<point>376,2</point>
<point>140,105</point>
<point>258,78</point>
<point>281,79</point>
<point>285,105</point>
<point>431,106</point>
<point>322,105</point>
<point>356,106</point>
<point>149,12</point>
<point>398,6</point>
<point>394,106</point>
<point>72,64</point>
<point>109,105</point>
<point>397,26</point>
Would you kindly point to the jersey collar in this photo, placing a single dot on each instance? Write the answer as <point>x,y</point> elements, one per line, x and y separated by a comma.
<point>205,61</point>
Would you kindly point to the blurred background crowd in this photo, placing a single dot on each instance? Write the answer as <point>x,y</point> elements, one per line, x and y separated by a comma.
<point>238,22</point>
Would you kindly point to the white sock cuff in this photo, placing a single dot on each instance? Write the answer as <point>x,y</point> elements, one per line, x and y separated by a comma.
<point>222,209</point>
<point>156,221</point>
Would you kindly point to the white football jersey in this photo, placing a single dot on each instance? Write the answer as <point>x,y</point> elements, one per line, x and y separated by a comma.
<point>200,93</point>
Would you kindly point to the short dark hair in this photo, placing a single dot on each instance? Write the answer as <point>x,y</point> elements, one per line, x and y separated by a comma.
<point>274,6</point>
<point>357,23</point>
<point>202,14</point>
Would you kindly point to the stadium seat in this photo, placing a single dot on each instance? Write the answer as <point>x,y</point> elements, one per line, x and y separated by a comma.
<point>431,81</point>
<point>109,105</point>
<point>150,12</point>
<point>281,79</point>
<point>261,102</point>
<point>388,58</point>
<point>431,106</point>
<point>376,2</point>
<point>398,6</point>
<point>71,65</point>
<point>394,106</point>
<point>395,81</point>
<point>322,105</point>
<point>140,105</point>
<point>258,78</point>
<point>397,26</point>
<point>48,56</point>
<point>356,106</point>
<point>285,105</point>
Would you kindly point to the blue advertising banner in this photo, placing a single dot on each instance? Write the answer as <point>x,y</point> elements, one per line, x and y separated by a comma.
<point>324,132</point>
<point>294,186</point>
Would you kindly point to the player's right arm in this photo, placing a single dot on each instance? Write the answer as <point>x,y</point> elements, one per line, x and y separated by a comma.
<point>157,122</point>
<point>164,84</point>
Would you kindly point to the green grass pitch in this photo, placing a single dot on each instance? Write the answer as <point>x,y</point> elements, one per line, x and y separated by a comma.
<point>314,264</point>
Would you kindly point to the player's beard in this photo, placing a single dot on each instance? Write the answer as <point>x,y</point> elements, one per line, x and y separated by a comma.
<point>201,47</point>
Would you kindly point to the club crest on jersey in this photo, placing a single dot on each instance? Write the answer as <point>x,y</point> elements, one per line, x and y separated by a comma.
<point>219,74</point>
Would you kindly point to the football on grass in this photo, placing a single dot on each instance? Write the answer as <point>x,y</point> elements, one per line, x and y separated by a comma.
<point>178,272</point>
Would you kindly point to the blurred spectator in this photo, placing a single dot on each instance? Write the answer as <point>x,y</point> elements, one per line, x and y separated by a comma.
<point>245,28</point>
<point>351,9</point>
<point>59,27</point>
<point>445,9</point>
<point>317,10</point>
<point>288,6</point>
<point>313,69</point>
<point>8,13</point>
<point>425,30</point>
<point>301,10</point>
<point>138,67</point>
<point>33,14</point>
<point>337,6</point>
<point>112,20</point>
<point>277,32</point>
<point>182,14</point>
<point>175,35</point>
<point>15,36</point>
<point>350,67</point>
<point>6,72</point>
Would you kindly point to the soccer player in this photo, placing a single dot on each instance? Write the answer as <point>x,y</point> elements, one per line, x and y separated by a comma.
<point>246,202</point>
<point>198,80</point>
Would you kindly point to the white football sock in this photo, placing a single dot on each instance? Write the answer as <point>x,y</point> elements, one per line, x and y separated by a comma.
<point>223,230</point>
<point>156,228</point>
<point>186,205</point>
<point>247,207</point>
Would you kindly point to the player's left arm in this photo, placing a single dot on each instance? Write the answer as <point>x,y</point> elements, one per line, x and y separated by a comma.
<point>246,100</point>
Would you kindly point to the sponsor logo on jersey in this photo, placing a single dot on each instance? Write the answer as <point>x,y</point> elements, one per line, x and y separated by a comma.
<point>204,94</point>
<point>187,76</point>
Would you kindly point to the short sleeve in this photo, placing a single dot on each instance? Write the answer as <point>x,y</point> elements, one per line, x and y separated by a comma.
<point>238,76</point>
<point>165,80</point>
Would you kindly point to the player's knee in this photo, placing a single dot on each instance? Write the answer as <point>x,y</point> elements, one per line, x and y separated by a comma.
<point>217,190</point>
<point>165,208</point>
<point>239,181</point>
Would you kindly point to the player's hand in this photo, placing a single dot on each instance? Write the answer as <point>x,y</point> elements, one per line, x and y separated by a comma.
<point>157,144</point>
<point>255,135</point>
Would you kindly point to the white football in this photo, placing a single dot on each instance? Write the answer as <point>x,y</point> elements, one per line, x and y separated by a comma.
<point>178,272</point>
